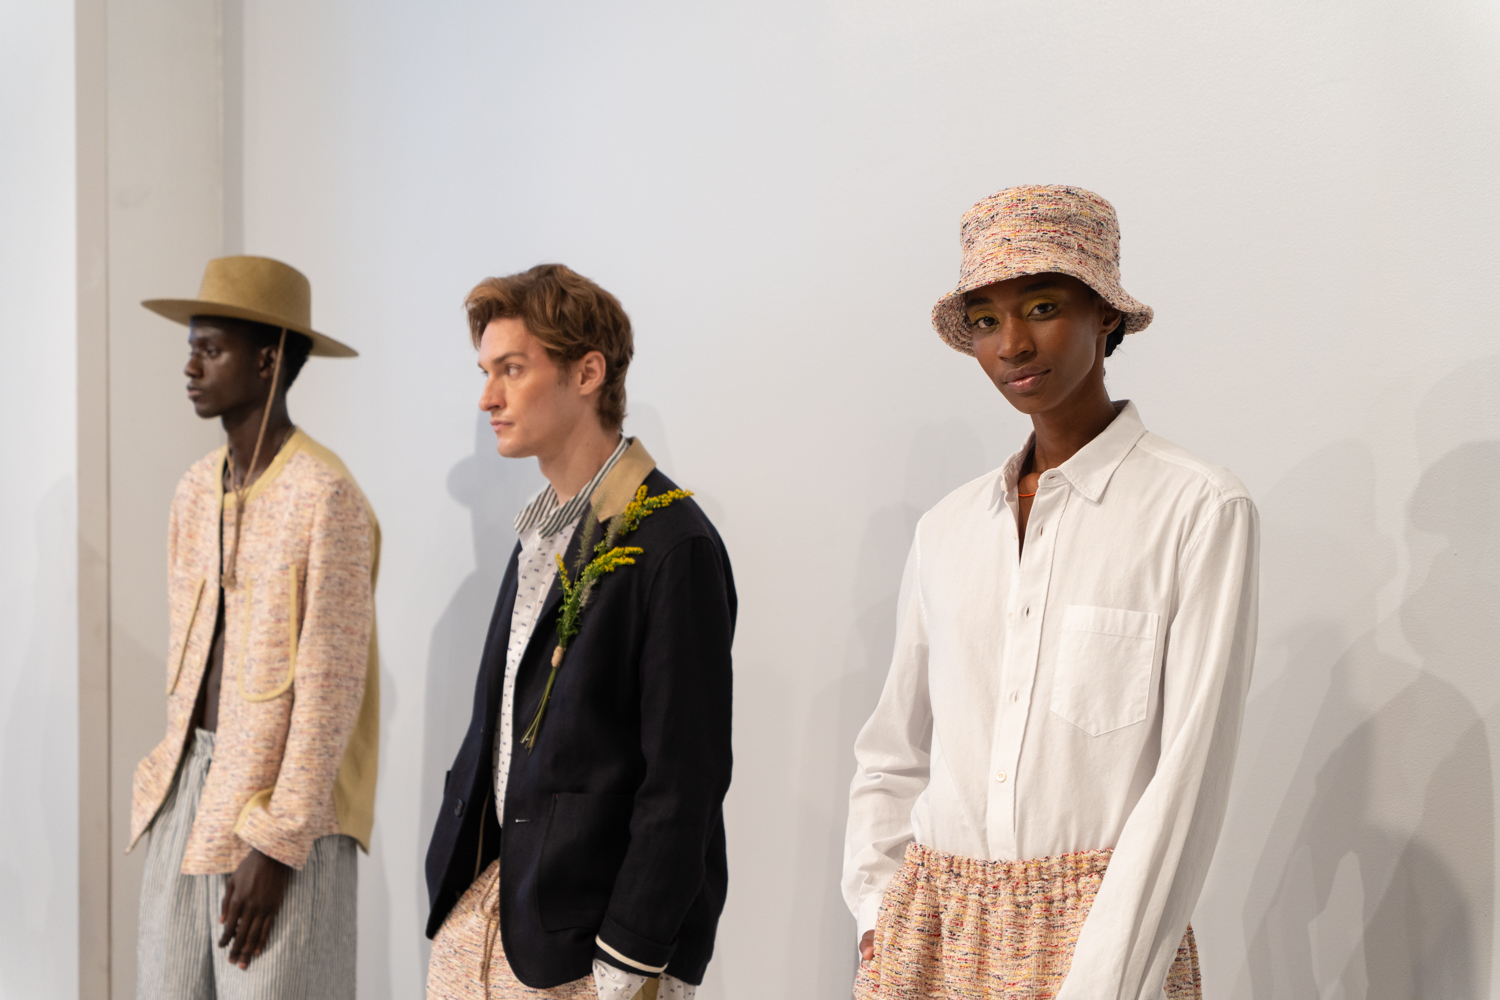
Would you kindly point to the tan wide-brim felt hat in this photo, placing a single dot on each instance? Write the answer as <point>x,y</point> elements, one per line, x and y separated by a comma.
<point>255,288</point>
<point>1037,229</point>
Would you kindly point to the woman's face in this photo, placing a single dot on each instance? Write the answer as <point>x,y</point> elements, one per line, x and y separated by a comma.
<point>1040,338</point>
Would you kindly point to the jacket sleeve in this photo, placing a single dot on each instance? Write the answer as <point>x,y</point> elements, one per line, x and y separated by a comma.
<point>333,648</point>
<point>686,689</point>
<point>1138,919</point>
<point>892,755</point>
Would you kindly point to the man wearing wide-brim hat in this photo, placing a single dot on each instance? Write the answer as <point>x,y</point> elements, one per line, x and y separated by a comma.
<point>265,779</point>
<point>1040,787</point>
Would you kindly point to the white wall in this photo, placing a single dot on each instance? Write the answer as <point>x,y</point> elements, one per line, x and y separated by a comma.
<point>38,503</point>
<point>774,190</point>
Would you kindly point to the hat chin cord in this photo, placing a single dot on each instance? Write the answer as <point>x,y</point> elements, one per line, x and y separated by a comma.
<point>227,578</point>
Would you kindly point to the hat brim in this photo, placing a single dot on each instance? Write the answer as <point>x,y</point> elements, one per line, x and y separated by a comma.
<point>183,310</point>
<point>951,323</point>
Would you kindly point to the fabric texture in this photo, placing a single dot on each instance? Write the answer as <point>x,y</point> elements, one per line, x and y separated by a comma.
<point>955,927</point>
<point>457,968</point>
<point>299,708</point>
<point>614,836</point>
<point>1037,229</point>
<point>310,954</point>
<point>1084,692</point>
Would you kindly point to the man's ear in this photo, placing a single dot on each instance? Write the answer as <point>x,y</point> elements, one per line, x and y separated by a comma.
<point>266,358</point>
<point>590,372</point>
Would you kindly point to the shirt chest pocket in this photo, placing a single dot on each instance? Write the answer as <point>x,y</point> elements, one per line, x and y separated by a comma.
<point>1104,667</point>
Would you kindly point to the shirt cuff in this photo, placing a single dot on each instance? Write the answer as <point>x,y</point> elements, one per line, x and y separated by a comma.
<point>614,983</point>
<point>869,912</point>
<point>612,956</point>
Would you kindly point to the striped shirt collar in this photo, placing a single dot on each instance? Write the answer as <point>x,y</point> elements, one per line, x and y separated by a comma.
<point>549,517</point>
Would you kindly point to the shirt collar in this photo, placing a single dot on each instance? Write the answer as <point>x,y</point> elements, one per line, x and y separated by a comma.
<point>1090,469</point>
<point>549,517</point>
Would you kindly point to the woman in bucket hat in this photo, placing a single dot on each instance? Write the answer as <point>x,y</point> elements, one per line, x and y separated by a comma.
<point>265,779</point>
<point>1040,787</point>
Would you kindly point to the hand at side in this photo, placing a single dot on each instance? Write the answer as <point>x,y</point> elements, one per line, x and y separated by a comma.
<point>252,898</point>
<point>867,946</point>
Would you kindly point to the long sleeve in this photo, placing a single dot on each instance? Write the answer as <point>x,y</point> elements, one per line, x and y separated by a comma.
<point>332,656</point>
<point>686,692</point>
<point>892,757</point>
<point>1162,856</point>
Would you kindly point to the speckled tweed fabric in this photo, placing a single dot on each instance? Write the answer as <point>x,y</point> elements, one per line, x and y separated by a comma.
<point>458,955</point>
<point>952,927</point>
<point>1038,229</point>
<point>295,751</point>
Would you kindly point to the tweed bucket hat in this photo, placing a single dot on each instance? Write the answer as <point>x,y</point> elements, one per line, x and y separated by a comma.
<point>1037,229</point>
<point>254,288</point>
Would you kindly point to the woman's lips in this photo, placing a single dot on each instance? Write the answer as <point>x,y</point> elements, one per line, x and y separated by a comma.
<point>1025,383</point>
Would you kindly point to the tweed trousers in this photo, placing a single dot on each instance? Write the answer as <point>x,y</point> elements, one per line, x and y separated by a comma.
<point>952,927</point>
<point>310,953</point>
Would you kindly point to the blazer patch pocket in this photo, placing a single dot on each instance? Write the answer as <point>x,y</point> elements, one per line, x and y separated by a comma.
<point>585,844</point>
<point>1104,666</point>
<point>271,621</point>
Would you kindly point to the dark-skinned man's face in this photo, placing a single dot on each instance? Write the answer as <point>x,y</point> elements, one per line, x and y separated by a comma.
<point>225,369</point>
<point>1040,338</point>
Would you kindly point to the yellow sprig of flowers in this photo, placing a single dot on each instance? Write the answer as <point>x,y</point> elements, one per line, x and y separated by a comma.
<point>607,557</point>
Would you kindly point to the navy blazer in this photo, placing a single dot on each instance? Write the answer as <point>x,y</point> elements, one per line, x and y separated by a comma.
<point>614,824</point>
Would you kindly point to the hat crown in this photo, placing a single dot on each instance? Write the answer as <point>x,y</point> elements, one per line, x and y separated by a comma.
<point>258,284</point>
<point>1042,218</point>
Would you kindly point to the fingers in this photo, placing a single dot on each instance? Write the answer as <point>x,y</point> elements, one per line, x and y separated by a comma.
<point>250,942</point>
<point>867,946</point>
<point>230,917</point>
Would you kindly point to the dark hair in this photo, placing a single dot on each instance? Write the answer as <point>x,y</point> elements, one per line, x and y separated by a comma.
<point>570,315</point>
<point>1113,338</point>
<point>298,345</point>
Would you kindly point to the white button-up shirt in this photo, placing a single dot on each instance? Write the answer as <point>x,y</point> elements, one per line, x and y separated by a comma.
<point>1082,692</point>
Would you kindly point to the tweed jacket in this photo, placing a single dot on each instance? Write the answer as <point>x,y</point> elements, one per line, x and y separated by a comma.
<point>299,705</point>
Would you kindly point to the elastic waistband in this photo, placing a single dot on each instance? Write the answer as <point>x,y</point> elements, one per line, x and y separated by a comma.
<point>1061,867</point>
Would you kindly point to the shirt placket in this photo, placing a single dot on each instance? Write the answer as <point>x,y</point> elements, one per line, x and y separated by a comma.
<point>1030,578</point>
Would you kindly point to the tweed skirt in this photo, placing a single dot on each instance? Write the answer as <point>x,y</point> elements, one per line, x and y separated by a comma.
<point>952,927</point>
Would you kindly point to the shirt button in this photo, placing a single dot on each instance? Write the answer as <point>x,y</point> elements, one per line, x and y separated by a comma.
<point>1000,776</point>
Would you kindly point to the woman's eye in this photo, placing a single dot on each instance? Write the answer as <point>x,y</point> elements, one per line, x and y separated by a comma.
<point>983,321</point>
<point>1043,309</point>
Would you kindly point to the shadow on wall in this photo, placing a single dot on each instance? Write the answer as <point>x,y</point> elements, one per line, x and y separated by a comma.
<point>941,457</point>
<point>494,490</point>
<point>1377,876</point>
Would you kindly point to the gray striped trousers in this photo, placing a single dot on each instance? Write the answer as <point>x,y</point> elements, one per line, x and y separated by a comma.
<point>310,954</point>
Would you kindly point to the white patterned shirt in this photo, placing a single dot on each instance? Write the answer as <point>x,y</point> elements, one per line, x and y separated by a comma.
<point>546,528</point>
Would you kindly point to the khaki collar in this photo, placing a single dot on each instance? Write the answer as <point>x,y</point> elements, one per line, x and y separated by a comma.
<point>619,487</point>
<point>293,444</point>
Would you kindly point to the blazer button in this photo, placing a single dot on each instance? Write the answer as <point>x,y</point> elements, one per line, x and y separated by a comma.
<point>458,808</point>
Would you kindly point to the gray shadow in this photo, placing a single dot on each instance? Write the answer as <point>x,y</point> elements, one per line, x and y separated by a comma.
<point>1377,877</point>
<point>941,457</point>
<point>494,490</point>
